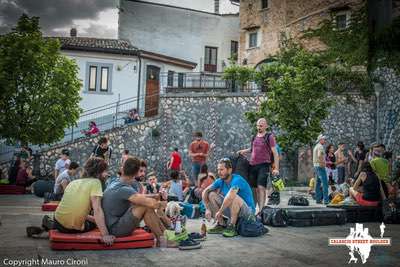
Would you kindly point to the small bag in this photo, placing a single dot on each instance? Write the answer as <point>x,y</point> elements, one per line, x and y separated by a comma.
<point>251,227</point>
<point>274,217</point>
<point>298,201</point>
<point>278,183</point>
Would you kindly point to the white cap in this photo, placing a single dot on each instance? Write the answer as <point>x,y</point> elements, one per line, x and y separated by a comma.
<point>320,137</point>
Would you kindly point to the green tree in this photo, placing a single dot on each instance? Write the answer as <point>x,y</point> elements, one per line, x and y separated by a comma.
<point>297,102</point>
<point>39,86</point>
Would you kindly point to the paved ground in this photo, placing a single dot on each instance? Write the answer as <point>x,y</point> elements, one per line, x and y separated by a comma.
<point>280,247</point>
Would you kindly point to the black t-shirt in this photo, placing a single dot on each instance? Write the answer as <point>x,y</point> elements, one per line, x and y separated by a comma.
<point>150,189</point>
<point>102,153</point>
<point>371,187</point>
<point>360,155</point>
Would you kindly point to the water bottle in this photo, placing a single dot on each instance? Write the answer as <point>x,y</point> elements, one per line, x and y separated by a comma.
<point>178,226</point>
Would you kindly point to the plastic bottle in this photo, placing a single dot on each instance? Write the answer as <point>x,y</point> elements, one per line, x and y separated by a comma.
<point>178,226</point>
<point>203,230</point>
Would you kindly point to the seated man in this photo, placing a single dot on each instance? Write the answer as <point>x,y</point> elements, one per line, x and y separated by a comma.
<point>124,207</point>
<point>230,196</point>
<point>80,197</point>
<point>24,176</point>
<point>63,179</point>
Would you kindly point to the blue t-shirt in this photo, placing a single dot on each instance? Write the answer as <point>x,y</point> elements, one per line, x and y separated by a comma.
<point>237,182</point>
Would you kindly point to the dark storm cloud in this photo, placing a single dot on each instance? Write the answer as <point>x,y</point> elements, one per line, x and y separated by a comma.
<point>53,13</point>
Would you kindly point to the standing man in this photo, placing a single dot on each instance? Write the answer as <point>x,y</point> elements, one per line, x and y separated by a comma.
<point>102,150</point>
<point>320,171</point>
<point>62,163</point>
<point>198,152</point>
<point>175,162</point>
<point>341,160</point>
<point>263,154</point>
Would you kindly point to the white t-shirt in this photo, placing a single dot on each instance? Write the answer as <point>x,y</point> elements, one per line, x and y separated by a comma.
<point>60,178</point>
<point>318,150</point>
<point>61,165</point>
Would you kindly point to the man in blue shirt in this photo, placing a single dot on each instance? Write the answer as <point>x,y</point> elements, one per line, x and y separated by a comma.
<point>229,196</point>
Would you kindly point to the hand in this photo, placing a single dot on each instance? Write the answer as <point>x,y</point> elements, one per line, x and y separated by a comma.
<point>218,215</point>
<point>108,239</point>
<point>164,195</point>
<point>207,215</point>
<point>350,152</point>
<point>275,172</point>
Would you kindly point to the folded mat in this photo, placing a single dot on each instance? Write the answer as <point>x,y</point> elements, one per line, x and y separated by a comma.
<point>357,213</point>
<point>12,189</point>
<point>91,241</point>
<point>50,206</point>
<point>315,216</point>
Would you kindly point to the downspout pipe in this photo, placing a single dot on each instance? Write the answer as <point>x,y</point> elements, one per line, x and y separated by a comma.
<point>139,79</point>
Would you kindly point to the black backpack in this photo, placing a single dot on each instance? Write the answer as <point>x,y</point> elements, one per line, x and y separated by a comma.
<point>274,217</point>
<point>391,210</point>
<point>251,227</point>
<point>266,140</point>
<point>298,201</point>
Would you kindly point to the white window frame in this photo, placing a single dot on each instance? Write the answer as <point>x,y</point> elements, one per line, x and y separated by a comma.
<point>347,13</point>
<point>257,41</point>
<point>98,83</point>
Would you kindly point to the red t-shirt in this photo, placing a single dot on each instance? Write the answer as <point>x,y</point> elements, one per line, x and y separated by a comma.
<point>199,147</point>
<point>177,160</point>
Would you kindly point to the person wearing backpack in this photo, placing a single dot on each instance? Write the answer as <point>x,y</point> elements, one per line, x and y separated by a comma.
<point>263,155</point>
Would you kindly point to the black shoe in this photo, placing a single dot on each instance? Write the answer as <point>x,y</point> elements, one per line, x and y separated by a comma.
<point>47,223</point>
<point>189,244</point>
<point>32,231</point>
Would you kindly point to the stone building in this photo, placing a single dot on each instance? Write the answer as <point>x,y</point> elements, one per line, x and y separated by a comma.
<point>265,24</point>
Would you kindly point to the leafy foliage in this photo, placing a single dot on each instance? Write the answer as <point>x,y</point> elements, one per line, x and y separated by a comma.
<point>297,99</point>
<point>39,87</point>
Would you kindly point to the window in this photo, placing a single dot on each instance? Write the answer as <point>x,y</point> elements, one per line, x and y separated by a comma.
<point>253,39</point>
<point>104,79</point>
<point>170,81</point>
<point>341,21</point>
<point>92,78</point>
<point>234,49</point>
<point>181,78</point>
<point>264,4</point>
<point>210,59</point>
<point>98,77</point>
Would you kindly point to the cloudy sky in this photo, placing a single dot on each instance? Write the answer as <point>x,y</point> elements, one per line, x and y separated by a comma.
<point>96,18</point>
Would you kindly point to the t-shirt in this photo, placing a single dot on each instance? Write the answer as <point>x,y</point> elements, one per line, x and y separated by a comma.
<point>199,147</point>
<point>176,189</point>
<point>317,151</point>
<point>138,187</point>
<point>115,202</point>
<point>360,155</point>
<point>75,205</point>
<point>64,176</point>
<point>177,160</point>
<point>237,182</point>
<point>102,153</point>
<point>330,161</point>
<point>22,177</point>
<point>261,150</point>
<point>61,165</point>
<point>151,190</point>
<point>381,168</point>
<point>371,187</point>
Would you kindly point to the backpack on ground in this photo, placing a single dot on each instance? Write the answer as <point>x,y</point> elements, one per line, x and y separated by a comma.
<point>274,217</point>
<point>192,211</point>
<point>298,201</point>
<point>391,210</point>
<point>251,227</point>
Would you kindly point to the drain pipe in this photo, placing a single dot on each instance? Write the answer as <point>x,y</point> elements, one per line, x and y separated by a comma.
<point>139,79</point>
<point>378,89</point>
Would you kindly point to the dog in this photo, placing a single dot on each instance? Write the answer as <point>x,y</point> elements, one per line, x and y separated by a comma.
<point>173,209</point>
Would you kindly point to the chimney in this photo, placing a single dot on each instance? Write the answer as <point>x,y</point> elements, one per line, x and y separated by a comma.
<point>73,32</point>
<point>216,6</point>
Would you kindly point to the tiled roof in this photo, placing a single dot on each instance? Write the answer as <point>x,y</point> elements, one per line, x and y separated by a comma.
<point>115,46</point>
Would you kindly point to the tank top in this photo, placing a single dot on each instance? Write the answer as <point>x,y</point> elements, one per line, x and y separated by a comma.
<point>371,187</point>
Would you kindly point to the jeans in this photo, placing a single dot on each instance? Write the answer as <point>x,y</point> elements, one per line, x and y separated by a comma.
<point>195,172</point>
<point>341,174</point>
<point>321,178</point>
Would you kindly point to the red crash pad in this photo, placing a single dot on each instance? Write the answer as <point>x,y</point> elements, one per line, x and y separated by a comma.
<point>91,241</point>
<point>10,189</point>
<point>50,206</point>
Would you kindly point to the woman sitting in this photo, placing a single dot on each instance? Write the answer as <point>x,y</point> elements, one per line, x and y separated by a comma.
<point>366,190</point>
<point>93,130</point>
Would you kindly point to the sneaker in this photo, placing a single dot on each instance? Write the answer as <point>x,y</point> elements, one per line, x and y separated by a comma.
<point>47,223</point>
<point>189,244</point>
<point>230,231</point>
<point>218,229</point>
<point>197,237</point>
<point>33,231</point>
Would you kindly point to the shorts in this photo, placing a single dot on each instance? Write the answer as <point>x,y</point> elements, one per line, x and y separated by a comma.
<point>259,175</point>
<point>125,224</point>
<point>245,210</point>
<point>89,226</point>
<point>362,202</point>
